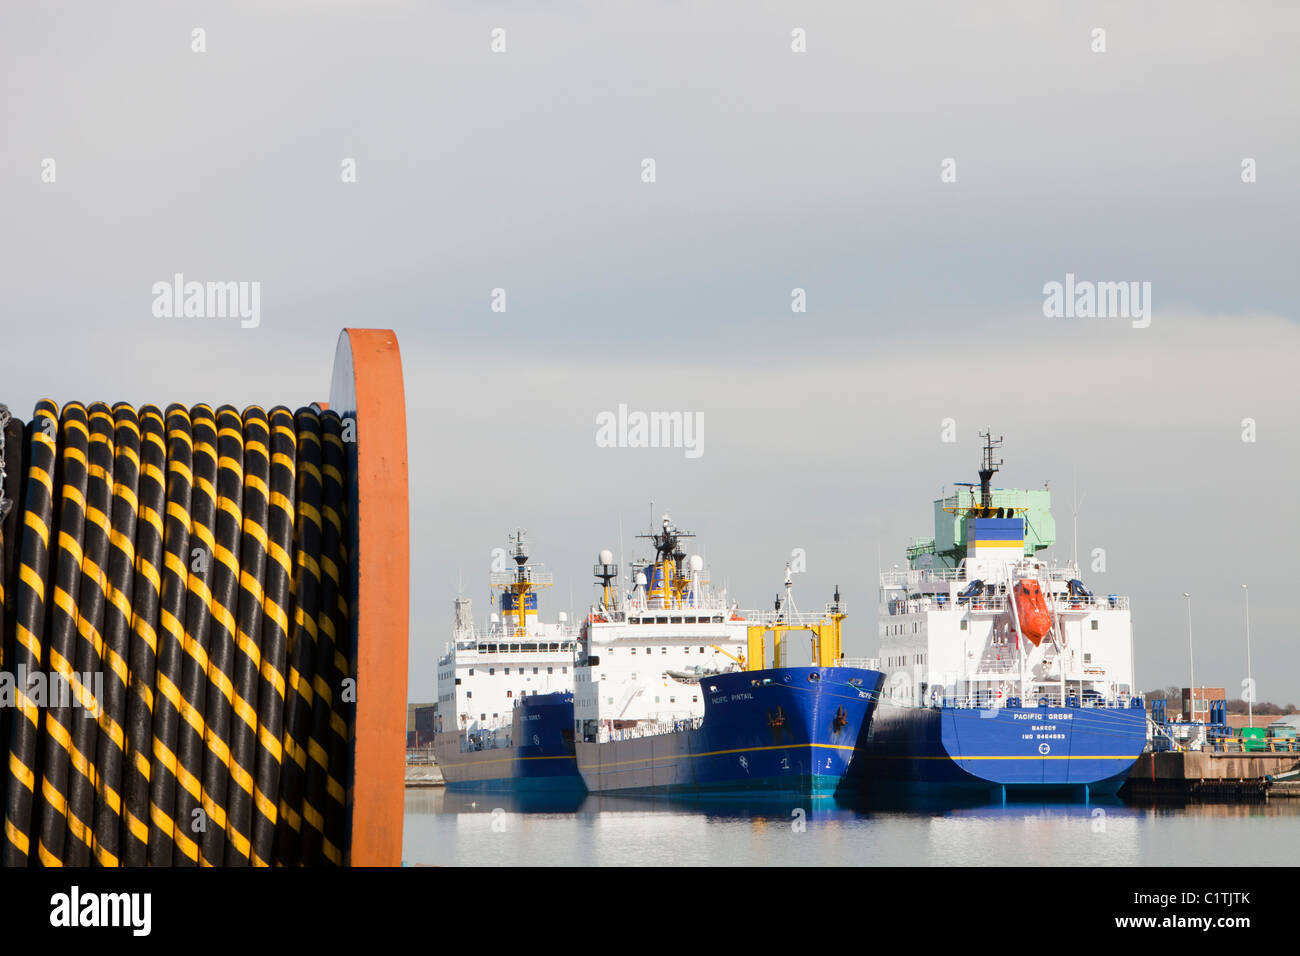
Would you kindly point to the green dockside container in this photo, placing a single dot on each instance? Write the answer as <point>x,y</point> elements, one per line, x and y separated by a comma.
<point>1254,739</point>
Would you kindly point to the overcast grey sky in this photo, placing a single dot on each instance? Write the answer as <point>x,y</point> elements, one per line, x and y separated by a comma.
<point>774,170</point>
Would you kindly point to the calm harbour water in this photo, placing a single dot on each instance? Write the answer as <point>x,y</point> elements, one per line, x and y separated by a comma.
<point>456,829</point>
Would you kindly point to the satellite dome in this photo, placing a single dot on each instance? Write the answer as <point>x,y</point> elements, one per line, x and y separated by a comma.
<point>697,563</point>
<point>640,579</point>
<point>606,556</point>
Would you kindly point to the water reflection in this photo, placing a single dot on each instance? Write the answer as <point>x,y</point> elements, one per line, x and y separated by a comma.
<point>597,829</point>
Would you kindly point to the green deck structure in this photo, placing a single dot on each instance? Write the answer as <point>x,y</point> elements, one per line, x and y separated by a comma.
<point>948,545</point>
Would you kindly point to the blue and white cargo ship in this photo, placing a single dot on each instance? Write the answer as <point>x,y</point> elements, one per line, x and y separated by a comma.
<point>673,695</point>
<point>505,692</point>
<point>1006,675</point>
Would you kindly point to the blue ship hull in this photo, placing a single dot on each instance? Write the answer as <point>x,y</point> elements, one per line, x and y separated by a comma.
<point>539,759</point>
<point>781,730</point>
<point>1020,751</point>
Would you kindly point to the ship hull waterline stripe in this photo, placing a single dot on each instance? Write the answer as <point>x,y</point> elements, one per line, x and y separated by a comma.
<point>712,753</point>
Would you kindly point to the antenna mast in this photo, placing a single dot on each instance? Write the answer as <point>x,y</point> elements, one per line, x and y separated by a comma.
<point>988,468</point>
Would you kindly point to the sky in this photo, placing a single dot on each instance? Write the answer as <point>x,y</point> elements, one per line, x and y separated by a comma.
<point>774,170</point>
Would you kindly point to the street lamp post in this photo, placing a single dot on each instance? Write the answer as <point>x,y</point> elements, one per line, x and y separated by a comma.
<point>1250,680</point>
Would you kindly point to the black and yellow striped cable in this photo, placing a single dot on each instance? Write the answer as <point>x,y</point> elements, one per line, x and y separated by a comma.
<point>276,609</point>
<point>322,792</point>
<point>170,632</point>
<point>87,674</point>
<point>221,643</point>
<point>29,634</point>
<point>118,585</point>
<point>179,599</point>
<point>183,793</point>
<point>341,716</point>
<point>153,514</point>
<point>12,447</point>
<point>344,716</point>
<point>302,639</point>
<point>247,644</point>
<point>56,729</point>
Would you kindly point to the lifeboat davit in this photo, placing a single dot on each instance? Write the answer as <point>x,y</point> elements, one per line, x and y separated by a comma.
<point>1031,607</point>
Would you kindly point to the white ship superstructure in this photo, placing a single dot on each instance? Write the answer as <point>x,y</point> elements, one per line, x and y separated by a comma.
<point>959,633</point>
<point>486,669</point>
<point>646,653</point>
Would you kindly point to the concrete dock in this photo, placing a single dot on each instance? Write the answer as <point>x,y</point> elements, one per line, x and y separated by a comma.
<point>1212,775</point>
<point>424,775</point>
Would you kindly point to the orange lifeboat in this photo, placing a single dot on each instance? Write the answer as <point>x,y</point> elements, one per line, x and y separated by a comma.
<point>1031,607</point>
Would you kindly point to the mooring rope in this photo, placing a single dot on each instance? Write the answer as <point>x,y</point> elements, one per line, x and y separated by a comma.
<point>175,606</point>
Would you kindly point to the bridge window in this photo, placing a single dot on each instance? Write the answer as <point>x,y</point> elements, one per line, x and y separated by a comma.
<point>1094,625</point>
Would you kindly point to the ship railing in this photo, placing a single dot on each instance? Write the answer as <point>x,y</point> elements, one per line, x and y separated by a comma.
<point>990,701</point>
<point>499,578</point>
<point>566,634</point>
<point>655,728</point>
<point>900,577</point>
<point>796,618</point>
<point>419,756</point>
<point>865,663</point>
<point>913,577</point>
<point>998,603</point>
<point>997,667</point>
<point>474,740</point>
<point>646,609</point>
